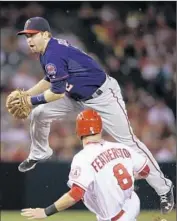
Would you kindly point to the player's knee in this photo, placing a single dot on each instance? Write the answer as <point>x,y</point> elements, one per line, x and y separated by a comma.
<point>38,113</point>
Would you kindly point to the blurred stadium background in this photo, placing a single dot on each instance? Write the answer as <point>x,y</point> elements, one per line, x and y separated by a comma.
<point>136,44</point>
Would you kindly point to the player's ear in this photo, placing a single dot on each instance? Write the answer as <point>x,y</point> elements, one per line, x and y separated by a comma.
<point>46,35</point>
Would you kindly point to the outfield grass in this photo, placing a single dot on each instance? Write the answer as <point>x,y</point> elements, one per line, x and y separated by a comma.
<point>87,216</point>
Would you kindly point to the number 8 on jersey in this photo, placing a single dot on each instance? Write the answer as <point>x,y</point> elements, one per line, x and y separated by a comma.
<point>123,177</point>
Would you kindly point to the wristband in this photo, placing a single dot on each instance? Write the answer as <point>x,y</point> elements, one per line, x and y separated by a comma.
<point>50,210</point>
<point>39,99</point>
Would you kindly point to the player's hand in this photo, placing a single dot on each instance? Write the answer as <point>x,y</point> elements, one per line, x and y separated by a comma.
<point>37,213</point>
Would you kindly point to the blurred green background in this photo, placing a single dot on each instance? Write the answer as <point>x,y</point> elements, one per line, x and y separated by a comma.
<point>87,216</point>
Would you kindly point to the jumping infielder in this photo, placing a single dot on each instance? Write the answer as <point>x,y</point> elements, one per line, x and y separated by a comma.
<point>102,174</point>
<point>74,81</point>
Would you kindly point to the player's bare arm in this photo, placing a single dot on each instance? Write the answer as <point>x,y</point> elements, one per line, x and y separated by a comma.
<point>64,202</point>
<point>50,96</point>
<point>39,213</point>
<point>40,87</point>
<point>46,97</point>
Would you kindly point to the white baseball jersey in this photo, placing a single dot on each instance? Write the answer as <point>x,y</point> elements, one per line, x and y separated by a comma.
<point>105,171</point>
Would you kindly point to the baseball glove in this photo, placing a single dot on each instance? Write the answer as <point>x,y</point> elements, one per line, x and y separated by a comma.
<point>17,104</point>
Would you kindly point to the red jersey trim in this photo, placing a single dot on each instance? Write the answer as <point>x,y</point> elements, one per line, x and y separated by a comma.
<point>76,192</point>
<point>145,163</point>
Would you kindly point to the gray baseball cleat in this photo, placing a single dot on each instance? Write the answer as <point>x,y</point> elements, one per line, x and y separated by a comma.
<point>30,164</point>
<point>167,201</point>
<point>27,165</point>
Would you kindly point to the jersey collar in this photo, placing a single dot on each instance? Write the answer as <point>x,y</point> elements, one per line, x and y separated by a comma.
<point>48,44</point>
<point>101,142</point>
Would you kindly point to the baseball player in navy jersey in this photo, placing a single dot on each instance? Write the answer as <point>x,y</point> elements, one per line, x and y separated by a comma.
<point>111,200</point>
<point>75,81</point>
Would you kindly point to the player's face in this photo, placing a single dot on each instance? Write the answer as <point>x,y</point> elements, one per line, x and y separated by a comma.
<point>35,42</point>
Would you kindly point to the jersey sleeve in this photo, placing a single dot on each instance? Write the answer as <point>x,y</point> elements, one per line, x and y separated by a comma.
<point>139,161</point>
<point>56,67</point>
<point>57,71</point>
<point>81,173</point>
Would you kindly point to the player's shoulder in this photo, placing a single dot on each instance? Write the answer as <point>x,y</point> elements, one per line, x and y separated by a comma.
<point>56,47</point>
<point>61,43</point>
<point>115,145</point>
<point>85,155</point>
<point>79,157</point>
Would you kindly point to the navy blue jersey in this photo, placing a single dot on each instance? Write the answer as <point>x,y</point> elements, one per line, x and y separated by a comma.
<point>70,70</point>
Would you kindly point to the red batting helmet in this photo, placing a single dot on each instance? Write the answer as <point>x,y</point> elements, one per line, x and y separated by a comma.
<point>88,122</point>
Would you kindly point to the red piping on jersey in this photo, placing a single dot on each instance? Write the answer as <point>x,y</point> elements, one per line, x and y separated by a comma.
<point>145,163</point>
<point>78,184</point>
<point>60,78</point>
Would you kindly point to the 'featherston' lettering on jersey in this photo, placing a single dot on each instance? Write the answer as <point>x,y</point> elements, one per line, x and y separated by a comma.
<point>111,154</point>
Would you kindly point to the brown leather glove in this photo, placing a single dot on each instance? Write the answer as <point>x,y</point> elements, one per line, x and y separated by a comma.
<point>18,104</point>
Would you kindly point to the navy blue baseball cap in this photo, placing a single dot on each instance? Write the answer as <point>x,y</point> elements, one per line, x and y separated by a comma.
<point>35,25</point>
